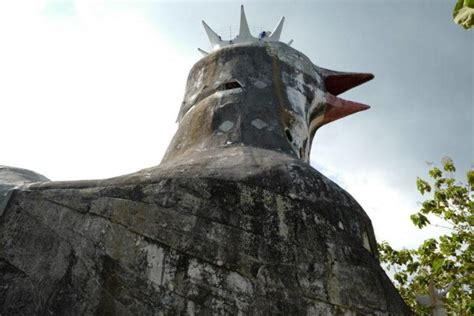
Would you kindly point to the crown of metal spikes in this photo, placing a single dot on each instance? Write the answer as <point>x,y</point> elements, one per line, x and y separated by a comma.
<point>244,34</point>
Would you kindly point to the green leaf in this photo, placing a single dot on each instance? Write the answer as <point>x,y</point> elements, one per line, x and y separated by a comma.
<point>448,164</point>
<point>412,267</point>
<point>422,186</point>
<point>435,173</point>
<point>470,178</point>
<point>429,244</point>
<point>437,265</point>
<point>440,196</point>
<point>419,220</point>
<point>463,13</point>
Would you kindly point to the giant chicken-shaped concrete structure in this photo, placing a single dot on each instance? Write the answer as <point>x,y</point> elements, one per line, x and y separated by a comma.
<point>234,221</point>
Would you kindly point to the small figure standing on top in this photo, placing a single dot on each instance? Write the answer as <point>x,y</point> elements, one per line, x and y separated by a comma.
<point>264,34</point>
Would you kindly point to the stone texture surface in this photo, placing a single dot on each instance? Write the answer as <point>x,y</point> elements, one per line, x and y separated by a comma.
<point>235,231</point>
<point>232,222</point>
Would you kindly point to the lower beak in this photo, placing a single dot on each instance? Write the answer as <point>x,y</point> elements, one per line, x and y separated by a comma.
<point>337,108</point>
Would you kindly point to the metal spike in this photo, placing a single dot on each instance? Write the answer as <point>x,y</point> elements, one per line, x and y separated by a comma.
<point>203,52</point>
<point>277,31</point>
<point>290,42</point>
<point>337,82</point>
<point>244,32</point>
<point>214,38</point>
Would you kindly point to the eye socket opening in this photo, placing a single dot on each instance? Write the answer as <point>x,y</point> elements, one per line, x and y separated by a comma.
<point>234,84</point>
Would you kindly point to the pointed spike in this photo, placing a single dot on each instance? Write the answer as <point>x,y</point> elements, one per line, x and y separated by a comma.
<point>338,108</point>
<point>338,82</point>
<point>203,52</point>
<point>277,31</point>
<point>214,38</point>
<point>290,42</point>
<point>244,32</point>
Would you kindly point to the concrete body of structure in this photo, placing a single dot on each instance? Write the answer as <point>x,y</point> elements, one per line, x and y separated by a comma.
<point>234,221</point>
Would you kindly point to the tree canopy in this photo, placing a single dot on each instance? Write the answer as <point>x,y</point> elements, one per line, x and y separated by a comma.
<point>446,262</point>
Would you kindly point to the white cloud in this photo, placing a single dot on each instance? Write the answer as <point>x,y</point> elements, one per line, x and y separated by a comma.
<point>79,90</point>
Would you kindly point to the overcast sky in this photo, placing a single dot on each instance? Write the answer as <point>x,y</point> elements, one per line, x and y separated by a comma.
<point>91,89</point>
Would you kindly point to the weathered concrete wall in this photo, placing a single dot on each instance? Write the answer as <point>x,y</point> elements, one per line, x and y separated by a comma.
<point>233,221</point>
<point>236,231</point>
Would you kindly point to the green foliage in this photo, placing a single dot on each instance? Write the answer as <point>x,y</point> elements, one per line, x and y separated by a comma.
<point>463,13</point>
<point>447,261</point>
